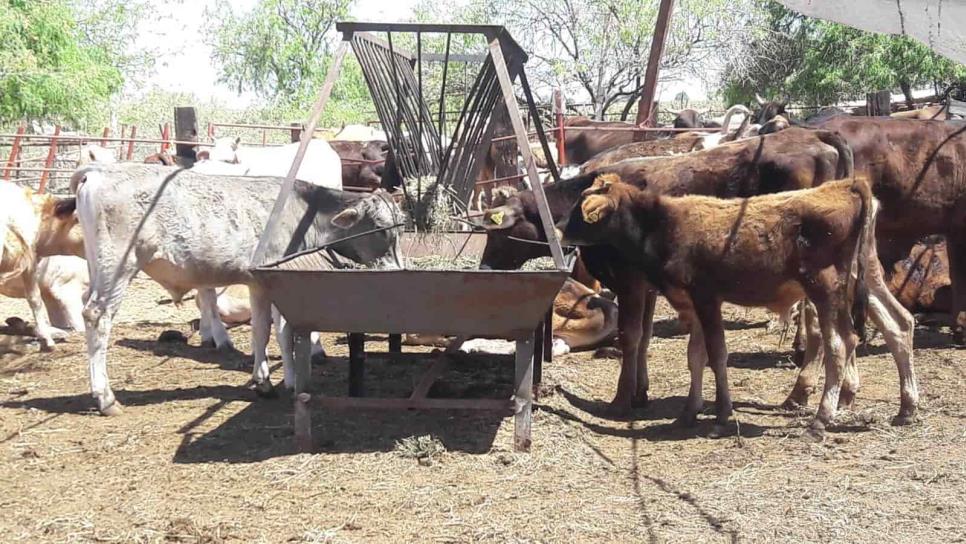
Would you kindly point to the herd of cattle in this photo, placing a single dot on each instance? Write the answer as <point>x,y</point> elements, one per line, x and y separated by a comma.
<point>822,216</point>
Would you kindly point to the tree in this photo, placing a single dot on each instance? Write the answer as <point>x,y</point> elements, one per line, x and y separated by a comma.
<point>598,49</point>
<point>817,62</point>
<point>47,70</point>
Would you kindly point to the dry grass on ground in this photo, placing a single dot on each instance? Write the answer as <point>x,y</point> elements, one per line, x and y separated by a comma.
<point>196,459</point>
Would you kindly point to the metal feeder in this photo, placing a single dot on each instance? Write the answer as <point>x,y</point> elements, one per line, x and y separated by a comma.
<point>502,304</point>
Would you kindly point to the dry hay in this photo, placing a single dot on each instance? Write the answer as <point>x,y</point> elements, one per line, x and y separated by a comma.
<point>196,458</point>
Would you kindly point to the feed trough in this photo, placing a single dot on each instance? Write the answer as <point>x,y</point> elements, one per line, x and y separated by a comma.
<point>314,296</point>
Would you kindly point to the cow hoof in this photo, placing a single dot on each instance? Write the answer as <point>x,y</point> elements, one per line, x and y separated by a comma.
<point>113,410</point>
<point>264,389</point>
<point>686,420</point>
<point>46,347</point>
<point>608,352</point>
<point>815,431</point>
<point>721,430</point>
<point>902,420</point>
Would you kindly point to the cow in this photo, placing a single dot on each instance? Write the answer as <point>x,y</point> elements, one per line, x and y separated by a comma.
<point>320,166</point>
<point>63,282</point>
<point>921,280</point>
<point>190,230</point>
<point>766,251</point>
<point>583,319</point>
<point>793,159</point>
<point>769,109</point>
<point>918,170</point>
<point>34,226</point>
<point>936,111</point>
<point>363,163</point>
<point>359,133</point>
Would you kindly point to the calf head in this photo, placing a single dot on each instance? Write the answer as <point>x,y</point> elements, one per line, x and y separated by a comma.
<point>768,109</point>
<point>376,218</point>
<point>508,226</point>
<point>59,233</point>
<point>610,212</point>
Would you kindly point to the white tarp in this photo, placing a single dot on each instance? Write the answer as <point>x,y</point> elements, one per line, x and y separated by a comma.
<point>940,24</point>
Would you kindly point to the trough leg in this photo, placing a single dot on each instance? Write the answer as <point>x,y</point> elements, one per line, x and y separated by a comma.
<point>523,398</point>
<point>357,362</point>
<point>395,343</point>
<point>548,337</point>
<point>538,349</point>
<point>302,342</point>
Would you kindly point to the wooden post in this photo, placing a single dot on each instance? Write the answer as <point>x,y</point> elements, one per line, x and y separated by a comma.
<point>211,131</point>
<point>185,130</point>
<point>14,150</point>
<point>879,104</point>
<point>395,343</point>
<point>130,144</point>
<point>357,364</point>
<point>120,148</point>
<point>302,356</point>
<point>296,132</point>
<point>165,136</point>
<point>644,107</point>
<point>105,136</point>
<point>558,106</point>
<point>49,161</point>
<point>523,396</point>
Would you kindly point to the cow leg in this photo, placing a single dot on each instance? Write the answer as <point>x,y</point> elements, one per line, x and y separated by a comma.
<point>808,373</point>
<point>839,343</point>
<point>211,321</point>
<point>99,311</point>
<point>36,303</point>
<point>697,360</point>
<point>630,312</point>
<point>67,304</point>
<point>643,381</point>
<point>956,250</point>
<point>897,326</point>
<point>709,314</point>
<point>261,329</point>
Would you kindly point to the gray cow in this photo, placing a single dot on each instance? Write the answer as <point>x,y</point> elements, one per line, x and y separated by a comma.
<point>188,230</point>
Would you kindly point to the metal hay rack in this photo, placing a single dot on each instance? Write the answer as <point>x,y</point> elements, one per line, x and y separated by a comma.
<point>500,304</point>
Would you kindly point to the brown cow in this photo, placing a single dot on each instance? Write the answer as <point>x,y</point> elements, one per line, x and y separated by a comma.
<point>363,163</point>
<point>919,173</point>
<point>793,159</point>
<point>766,251</point>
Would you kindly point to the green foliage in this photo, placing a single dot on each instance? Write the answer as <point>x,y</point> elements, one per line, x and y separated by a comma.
<point>47,70</point>
<point>817,62</point>
<point>282,50</point>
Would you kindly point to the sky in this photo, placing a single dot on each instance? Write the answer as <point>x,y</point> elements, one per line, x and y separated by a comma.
<point>184,61</point>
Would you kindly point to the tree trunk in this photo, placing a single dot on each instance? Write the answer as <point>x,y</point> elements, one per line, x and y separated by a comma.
<point>907,91</point>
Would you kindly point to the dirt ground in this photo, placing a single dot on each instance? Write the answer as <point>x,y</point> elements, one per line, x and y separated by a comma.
<point>196,458</point>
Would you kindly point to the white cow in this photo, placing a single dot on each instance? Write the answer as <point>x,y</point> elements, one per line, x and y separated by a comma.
<point>321,165</point>
<point>360,133</point>
<point>33,226</point>
<point>188,230</point>
<point>63,282</point>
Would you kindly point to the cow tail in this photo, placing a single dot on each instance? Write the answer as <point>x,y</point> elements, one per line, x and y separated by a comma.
<point>866,237</point>
<point>846,165</point>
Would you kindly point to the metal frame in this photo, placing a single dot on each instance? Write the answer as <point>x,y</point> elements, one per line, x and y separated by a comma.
<point>294,287</point>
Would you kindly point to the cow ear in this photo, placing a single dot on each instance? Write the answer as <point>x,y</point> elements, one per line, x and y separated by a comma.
<point>347,218</point>
<point>596,207</point>
<point>499,218</point>
<point>602,184</point>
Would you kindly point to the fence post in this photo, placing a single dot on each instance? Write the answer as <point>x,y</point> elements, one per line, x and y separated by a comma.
<point>296,132</point>
<point>558,105</point>
<point>130,143</point>
<point>185,130</point>
<point>105,135</point>
<point>211,131</point>
<point>49,162</point>
<point>120,148</point>
<point>165,135</point>
<point>879,104</point>
<point>14,150</point>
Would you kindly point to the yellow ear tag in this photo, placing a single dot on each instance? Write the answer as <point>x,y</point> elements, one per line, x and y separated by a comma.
<point>497,218</point>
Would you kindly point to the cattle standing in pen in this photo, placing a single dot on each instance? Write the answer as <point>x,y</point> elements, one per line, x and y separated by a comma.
<point>766,251</point>
<point>793,159</point>
<point>189,230</point>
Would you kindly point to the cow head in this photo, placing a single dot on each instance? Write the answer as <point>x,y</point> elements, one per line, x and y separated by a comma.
<point>514,234</point>
<point>223,150</point>
<point>768,109</point>
<point>59,233</point>
<point>377,218</point>
<point>607,213</point>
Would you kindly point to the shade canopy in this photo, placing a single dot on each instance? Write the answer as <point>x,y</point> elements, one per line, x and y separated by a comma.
<point>936,23</point>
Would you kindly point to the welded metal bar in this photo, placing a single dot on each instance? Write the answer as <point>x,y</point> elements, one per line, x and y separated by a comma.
<point>541,135</point>
<point>366,403</point>
<point>442,93</point>
<point>506,82</point>
<point>357,364</point>
<point>302,357</point>
<point>548,337</point>
<point>49,161</point>
<point>654,61</point>
<point>81,140</point>
<point>14,150</point>
<point>523,394</point>
<point>289,182</point>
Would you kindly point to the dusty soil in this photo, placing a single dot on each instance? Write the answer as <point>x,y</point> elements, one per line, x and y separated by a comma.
<point>196,458</point>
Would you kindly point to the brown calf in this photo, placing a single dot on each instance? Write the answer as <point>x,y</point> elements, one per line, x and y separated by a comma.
<point>767,251</point>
